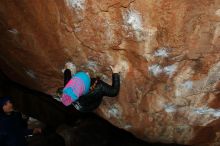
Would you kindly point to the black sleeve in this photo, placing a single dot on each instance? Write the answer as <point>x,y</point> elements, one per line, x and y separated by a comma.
<point>113,90</point>
<point>67,76</point>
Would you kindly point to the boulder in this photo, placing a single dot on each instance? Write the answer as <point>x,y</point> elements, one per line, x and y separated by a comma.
<point>168,53</point>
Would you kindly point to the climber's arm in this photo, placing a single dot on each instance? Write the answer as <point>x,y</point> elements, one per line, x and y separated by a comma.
<point>67,76</point>
<point>113,90</point>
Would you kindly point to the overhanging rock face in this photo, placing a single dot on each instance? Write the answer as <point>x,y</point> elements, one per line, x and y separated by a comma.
<point>168,52</point>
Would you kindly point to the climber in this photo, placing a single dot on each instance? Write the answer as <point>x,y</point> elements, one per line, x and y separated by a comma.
<point>84,96</point>
<point>13,128</point>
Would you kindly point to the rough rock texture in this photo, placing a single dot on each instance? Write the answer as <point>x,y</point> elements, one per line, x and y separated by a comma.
<point>168,52</point>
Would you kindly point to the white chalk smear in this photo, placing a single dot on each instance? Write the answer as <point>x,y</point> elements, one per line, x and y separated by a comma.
<point>13,31</point>
<point>31,74</point>
<point>169,70</point>
<point>70,66</point>
<point>162,52</point>
<point>76,4</point>
<point>114,112</point>
<point>92,65</point>
<point>133,19</point>
<point>187,85</point>
<point>127,127</point>
<point>155,69</point>
<point>207,111</point>
<point>170,108</point>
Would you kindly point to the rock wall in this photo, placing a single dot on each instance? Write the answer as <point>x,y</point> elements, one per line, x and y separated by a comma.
<point>168,52</point>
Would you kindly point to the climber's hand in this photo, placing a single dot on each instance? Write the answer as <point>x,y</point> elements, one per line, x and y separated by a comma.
<point>115,69</point>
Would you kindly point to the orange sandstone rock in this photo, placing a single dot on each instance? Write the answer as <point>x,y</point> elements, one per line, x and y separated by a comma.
<point>168,52</point>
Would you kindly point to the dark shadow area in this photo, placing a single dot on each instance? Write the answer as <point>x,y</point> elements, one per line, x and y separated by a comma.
<point>65,123</point>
